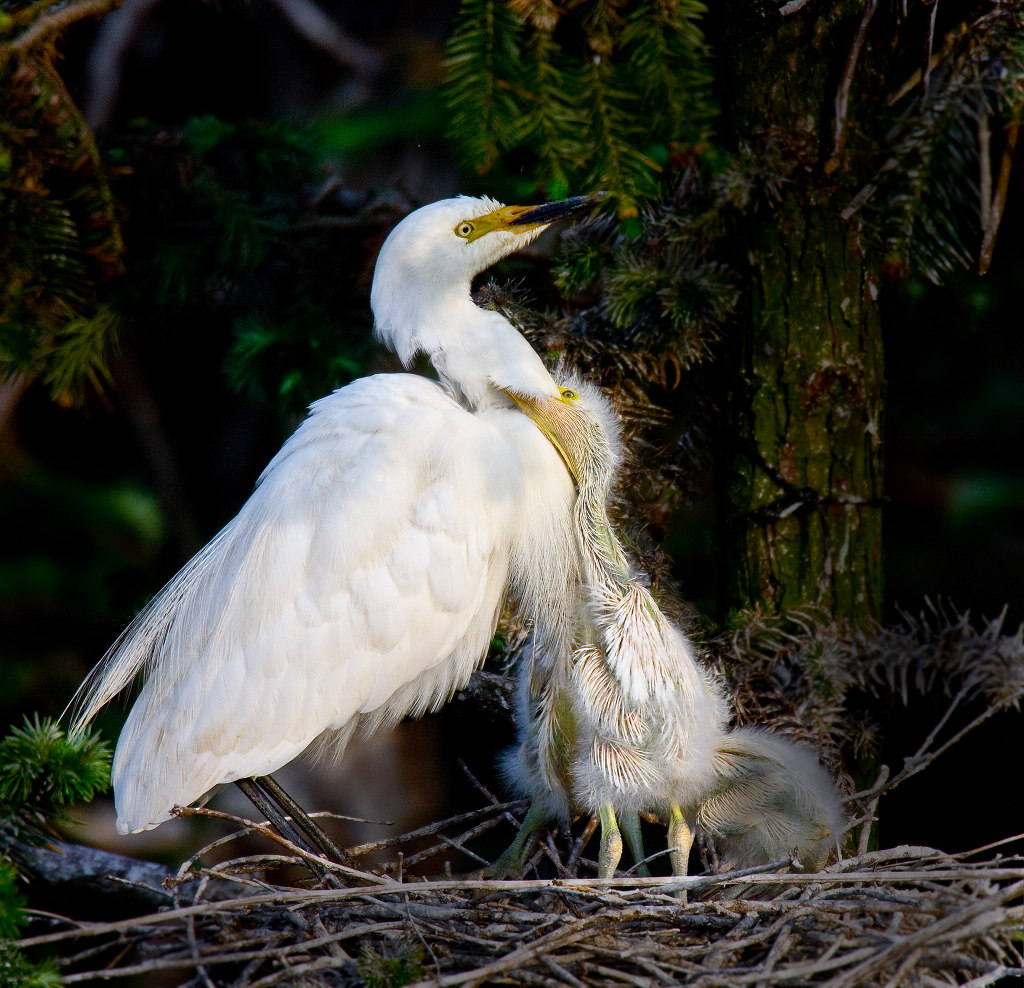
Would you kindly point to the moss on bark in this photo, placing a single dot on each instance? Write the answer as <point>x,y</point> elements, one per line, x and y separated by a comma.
<point>801,466</point>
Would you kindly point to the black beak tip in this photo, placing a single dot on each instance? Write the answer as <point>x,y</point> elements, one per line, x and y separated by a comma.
<point>548,212</point>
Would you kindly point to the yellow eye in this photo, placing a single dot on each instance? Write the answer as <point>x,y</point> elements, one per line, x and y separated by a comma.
<point>568,394</point>
<point>464,230</point>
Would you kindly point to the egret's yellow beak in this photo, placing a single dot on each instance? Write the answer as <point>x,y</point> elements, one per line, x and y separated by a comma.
<point>523,219</point>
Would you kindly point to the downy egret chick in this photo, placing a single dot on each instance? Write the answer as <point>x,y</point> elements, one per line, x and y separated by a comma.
<point>362,580</point>
<point>628,721</point>
<point>631,723</point>
<point>771,799</point>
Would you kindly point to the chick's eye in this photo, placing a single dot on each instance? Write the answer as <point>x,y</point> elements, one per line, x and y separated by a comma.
<point>464,230</point>
<point>568,395</point>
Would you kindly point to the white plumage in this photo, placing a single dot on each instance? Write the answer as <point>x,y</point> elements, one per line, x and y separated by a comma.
<point>362,579</point>
<point>628,722</point>
<point>771,798</point>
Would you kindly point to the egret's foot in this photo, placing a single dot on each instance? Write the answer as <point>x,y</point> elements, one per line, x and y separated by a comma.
<point>630,824</point>
<point>611,843</point>
<point>513,860</point>
<point>680,840</point>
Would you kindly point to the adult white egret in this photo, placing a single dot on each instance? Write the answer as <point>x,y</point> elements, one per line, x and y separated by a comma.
<point>629,722</point>
<point>362,579</point>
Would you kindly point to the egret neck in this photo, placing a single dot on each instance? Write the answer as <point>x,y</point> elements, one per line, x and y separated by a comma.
<point>421,294</point>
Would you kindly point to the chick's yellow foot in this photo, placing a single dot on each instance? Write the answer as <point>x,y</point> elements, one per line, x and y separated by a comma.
<point>680,840</point>
<point>611,843</point>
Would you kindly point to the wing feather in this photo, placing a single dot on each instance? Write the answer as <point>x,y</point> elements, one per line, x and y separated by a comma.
<point>361,581</point>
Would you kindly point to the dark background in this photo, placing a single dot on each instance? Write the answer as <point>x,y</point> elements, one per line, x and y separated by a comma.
<point>93,528</point>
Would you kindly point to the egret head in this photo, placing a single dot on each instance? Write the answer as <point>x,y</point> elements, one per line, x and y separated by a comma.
<point>421,289</point>
<point>581,425</point>
<point>446,244</point>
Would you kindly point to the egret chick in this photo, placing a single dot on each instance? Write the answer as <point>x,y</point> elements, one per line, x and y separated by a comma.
<point>771,799</point>
<point>629,722</point>
<point>361,581</point>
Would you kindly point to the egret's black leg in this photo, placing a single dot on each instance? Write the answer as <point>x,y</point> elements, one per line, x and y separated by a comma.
<point>302,820</point>
<point>266,804</point>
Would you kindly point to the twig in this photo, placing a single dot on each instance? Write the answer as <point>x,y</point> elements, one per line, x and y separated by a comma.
<point>433,828</point>
<point>926,70</point>
<point>791,8</point>
<point>55,21</point>
<point>841,125</point>
<point>485,792</point>
<point>319,30</point>
<point>266,831</point>
<point>995,210</point>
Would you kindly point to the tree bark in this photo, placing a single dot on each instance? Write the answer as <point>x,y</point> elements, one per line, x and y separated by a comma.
<point>800,464</point>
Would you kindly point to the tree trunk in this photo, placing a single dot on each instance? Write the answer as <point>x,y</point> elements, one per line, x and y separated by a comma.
<point>800,464</point>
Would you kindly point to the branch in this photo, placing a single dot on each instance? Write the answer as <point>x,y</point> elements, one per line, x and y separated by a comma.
<point>843,92</point>
<point>309,21</point>
<point>53,22</point>
<point>791,8</point>
<point>60,863</point>
<point>995,211</point>
<point>107,56</point>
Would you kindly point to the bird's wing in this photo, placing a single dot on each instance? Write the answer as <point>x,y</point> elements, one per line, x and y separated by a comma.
<point>361,579</point>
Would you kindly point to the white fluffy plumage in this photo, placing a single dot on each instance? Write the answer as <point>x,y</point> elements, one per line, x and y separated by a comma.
<point>629,722</point>
<point>771,799</point>
<point>623,720</point>
<point>362,579</point>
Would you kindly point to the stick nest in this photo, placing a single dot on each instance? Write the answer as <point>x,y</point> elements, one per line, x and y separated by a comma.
<point>899,917</point>
<point>906,916</point>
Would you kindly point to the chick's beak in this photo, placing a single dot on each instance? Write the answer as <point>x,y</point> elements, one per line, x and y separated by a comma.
<point>554,418</point>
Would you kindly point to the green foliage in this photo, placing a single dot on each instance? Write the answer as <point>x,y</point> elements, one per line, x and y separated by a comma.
<point>302,342</point>
<point>584,96</point>
<point>421,115</point>
<point>16,971</point>
<point>43,771</point>
<point>391,967</point>
<point>659,297</point>
<point>482,63</point>
<point>12,903</point>
<point>80,350</point>
<point>923,200</point>
<point>59,235</point>
<point>233,251</point>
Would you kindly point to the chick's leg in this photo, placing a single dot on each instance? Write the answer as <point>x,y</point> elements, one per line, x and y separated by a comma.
<point>611,843</point>
<point>630,824</point>
<point>513,859</point>
<point>680,840</point>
